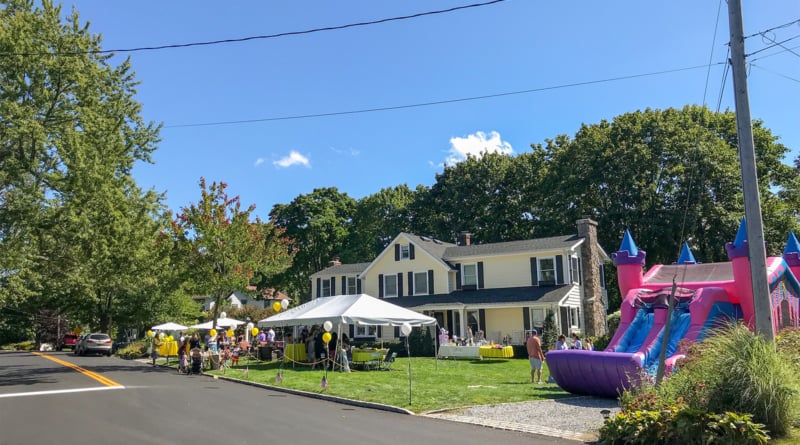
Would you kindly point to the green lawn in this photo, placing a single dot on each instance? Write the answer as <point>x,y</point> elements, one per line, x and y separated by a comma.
<point>434,384</point>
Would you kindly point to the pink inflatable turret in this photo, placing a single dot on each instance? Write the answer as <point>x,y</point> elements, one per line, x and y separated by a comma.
<point>629,261</point>
<point>791,254</point>
<point>737,253</point>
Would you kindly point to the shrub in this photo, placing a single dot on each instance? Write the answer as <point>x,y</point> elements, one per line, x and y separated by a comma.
<point>681,426</point>
<point>134,350</point>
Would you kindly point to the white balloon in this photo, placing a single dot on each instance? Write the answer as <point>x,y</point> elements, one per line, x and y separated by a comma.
<point>284,304</point>
<point>327,325</point>
<point>405,328</point>
<point>223,315</point>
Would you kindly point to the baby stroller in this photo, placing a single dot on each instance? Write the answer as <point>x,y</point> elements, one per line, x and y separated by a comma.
<point>197,361</point>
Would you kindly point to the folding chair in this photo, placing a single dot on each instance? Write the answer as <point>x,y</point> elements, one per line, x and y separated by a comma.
<point>387,362</point>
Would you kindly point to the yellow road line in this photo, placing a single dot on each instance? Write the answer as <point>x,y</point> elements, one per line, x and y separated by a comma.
<point>86,372</point>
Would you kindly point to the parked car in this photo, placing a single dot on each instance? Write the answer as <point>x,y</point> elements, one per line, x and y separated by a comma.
<point>67,341</point>
<point>94,343</point>
<point>78,343</point>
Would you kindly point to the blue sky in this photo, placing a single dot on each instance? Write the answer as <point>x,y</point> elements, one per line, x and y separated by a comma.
<point>511,46</point>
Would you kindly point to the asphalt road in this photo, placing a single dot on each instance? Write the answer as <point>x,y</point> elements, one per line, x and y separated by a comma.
<point>59,398</point>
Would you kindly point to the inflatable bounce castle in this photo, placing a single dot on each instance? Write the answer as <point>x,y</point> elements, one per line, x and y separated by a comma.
<point>705,296</point>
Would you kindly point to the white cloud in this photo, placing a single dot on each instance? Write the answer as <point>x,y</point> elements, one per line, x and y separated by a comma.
<point>476,145</point>
<point>259,161</point>
<point>294,158</point>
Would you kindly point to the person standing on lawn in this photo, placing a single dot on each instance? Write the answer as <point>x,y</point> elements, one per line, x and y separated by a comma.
<point>536,356</point>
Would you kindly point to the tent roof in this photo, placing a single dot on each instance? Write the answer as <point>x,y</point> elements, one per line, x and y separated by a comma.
<point>171,326</point>
<point>360,309</point>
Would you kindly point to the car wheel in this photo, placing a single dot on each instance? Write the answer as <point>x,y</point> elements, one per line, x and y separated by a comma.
<point>108,354</point>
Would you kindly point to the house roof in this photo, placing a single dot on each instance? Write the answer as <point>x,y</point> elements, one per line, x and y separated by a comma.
<point>342,269</point>
<point>510,247</point>
<point>527,294</point>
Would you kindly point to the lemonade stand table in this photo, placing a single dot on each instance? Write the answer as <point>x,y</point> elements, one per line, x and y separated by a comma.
<point>494,352</point>
<point>295,352</point>
<point>453,351</point>
<point>368,357</point>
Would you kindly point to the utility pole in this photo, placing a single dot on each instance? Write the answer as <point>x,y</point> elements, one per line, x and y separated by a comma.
<point>752,203</point>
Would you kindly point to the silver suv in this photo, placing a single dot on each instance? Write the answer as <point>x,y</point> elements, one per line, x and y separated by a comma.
<point>94,343</point>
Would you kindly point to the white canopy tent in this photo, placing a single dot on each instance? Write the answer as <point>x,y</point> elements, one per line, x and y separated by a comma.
<point>358,309</point>
<point>171,326</point>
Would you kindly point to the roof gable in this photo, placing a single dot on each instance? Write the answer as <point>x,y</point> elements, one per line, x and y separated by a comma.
<point>429,246</point>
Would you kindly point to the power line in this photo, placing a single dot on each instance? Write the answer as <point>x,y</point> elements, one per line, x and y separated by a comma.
<point>771,40</point>
<point>772,46</point>
<point>785,25</point>
<point>775,73</point>
<point>267,36</point>
<point>439,102</point>
<point>775,53</point>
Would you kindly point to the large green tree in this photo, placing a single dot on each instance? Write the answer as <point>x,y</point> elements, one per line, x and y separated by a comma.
<point>224,248</point>
<point>377,219</point>
<point>72,220</point>
<point>317,225</point>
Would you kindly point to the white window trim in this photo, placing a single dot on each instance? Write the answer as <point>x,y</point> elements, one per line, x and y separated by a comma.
<point>405,251</point>
<point>322,292</point>
<point>463,275</point>
<point>427,284</point>
<point>385,287</point>
<point>540,270</point>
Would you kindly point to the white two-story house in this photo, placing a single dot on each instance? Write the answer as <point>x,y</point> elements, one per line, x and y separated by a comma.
<point>502,289</point>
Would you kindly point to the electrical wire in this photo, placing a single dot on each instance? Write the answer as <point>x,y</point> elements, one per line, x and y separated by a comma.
<point>775,73</point>
<point>772,46</point>
<point>771,40</point>
<point>265,37</point>
<point>439,102</point>
<point>785,25</point>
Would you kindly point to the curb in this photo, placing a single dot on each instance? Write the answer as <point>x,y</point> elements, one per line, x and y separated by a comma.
<point>336,399</point>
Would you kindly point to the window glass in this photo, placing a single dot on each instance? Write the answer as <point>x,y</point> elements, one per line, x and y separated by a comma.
<point>547,270</point>
<point>404,251</point>
<point>326,287</point>
<point>351,286</point>
<point>420,283</point>
<point>366,331</point>
<point>390,285</point>
<point>469,275</point>
<point>537,318</point>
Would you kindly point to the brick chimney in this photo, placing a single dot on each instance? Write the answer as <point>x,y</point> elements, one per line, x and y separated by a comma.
<point>334,262</point>
<point>464,238</point>
<point>593,310</point>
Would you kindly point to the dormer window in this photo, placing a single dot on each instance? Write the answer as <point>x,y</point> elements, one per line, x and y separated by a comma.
<point>326,288</point>
<point>405,252</point>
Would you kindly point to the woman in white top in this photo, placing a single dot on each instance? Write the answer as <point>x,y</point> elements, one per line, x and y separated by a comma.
<point>561,343</point>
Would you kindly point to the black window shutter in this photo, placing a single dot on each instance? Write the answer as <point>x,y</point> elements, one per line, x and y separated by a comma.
<point>352,332</point>
<point>482,321</point>
<point>397,252</point>
<point>411,290</point>
<point>602,277</point>
<point>358,285</point>
<point>430,281</point>
<point>379,332</point>
<point>559,269</point>
<point>458,276</point>
<point>344,285</point>
<point>400,284</point>
<point>333,286</point>
<point>319,287</point>
<point>411,251</point>
<point>526,318</point>
<point>450,324</point>
<point>396,332</point>
<point>580,272</point>
<point>380,286</point>
<point>534,272</point>
<point>480,274</point>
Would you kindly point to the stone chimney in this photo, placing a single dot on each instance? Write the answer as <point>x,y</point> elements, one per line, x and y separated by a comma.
<point>593,310</point>
<point>334,262</point>
<point>464,238</point>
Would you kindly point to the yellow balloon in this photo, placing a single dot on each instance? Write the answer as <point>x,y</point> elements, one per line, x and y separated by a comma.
<point>276,306</point>
<point>213,332</point>
<point>254,331</point>
<point>326,337</point>
<point>229,332</point>
<point>149,333</point>
<point>169,338</point>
